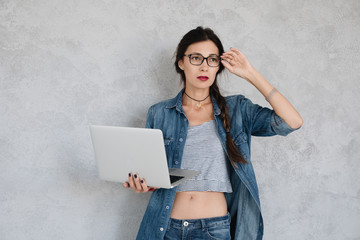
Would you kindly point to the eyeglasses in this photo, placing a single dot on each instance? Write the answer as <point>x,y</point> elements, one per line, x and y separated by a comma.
<point>197,59</point>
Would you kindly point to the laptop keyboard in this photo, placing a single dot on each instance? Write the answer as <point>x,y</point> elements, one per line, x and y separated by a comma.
<point>175,178</point>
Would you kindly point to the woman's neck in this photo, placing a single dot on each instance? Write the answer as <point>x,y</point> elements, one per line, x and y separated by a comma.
<point>197,93</point>
<point>196,98</point>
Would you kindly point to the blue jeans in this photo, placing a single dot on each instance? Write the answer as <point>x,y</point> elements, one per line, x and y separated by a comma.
<point>216,228</point>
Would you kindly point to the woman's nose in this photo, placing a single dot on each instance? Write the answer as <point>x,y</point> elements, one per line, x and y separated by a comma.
<point>204,66</point>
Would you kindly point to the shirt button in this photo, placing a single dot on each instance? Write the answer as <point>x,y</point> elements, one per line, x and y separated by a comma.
<point>161,229</point>
<point>167,207</point>
<point>180,139</point>
<point>186,223</point>
<point>260,224</point>
<point>185,119</point>
<point>176,162</point>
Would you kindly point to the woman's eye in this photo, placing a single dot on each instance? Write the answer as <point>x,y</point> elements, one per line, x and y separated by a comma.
<point>195,58</point>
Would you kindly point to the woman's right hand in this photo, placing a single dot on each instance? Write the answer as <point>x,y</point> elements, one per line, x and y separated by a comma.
<point>137,184</point>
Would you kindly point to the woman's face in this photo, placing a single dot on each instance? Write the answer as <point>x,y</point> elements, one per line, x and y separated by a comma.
<point>203,76</point>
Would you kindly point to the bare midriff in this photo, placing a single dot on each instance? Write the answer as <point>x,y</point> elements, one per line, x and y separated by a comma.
<point>195,205</point>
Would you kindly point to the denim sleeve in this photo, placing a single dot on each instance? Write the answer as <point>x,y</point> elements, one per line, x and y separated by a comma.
<point>262,121</point>
<point>150,118</point>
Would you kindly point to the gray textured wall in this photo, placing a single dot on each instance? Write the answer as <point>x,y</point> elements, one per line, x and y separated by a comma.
<point>67,64</point>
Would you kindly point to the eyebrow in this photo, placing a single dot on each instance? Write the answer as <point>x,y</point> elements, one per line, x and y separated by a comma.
<point>211,54</point>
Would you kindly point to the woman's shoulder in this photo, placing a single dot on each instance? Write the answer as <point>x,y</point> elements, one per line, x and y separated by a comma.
<point>158,111</point>
<point>235,99</point>
<point>239,103</point>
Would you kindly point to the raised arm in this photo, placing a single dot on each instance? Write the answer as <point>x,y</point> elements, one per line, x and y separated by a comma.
<point>237,63</point>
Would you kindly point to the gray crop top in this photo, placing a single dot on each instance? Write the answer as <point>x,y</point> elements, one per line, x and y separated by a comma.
<point>203,151</point>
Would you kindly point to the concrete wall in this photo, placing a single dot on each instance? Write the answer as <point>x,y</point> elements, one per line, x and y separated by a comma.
<point>67,64</point>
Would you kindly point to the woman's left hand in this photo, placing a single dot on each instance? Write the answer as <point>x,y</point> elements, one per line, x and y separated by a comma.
<point>236,62</point>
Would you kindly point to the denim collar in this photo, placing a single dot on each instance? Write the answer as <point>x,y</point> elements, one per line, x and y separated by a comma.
<point>176,102</point>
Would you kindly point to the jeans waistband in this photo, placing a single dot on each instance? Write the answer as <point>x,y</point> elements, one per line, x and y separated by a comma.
<point>199,223</point>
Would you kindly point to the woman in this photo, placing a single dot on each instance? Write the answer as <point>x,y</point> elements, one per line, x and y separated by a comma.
<point>205,131</point>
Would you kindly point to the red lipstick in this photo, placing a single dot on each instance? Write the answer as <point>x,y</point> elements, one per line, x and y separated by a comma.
<point>203,78</point>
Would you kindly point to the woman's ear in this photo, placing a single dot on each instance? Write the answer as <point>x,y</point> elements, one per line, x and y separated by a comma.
<point>181,64</point>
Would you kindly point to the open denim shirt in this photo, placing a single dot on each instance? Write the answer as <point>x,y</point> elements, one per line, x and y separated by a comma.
<point>243,203</point>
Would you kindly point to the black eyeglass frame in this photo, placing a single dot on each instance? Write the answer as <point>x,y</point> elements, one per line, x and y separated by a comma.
<point>189,56</point>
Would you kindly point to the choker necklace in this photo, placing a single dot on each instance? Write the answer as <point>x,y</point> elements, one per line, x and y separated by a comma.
<point>198,105</point>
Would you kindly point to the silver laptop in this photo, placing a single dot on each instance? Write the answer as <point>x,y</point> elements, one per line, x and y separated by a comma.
<point>123,150</point>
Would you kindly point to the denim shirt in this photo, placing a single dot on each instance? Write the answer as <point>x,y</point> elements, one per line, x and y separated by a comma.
<point>243,203</point>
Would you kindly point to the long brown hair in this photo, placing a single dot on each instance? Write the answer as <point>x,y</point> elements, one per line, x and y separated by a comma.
<point>198,35</point>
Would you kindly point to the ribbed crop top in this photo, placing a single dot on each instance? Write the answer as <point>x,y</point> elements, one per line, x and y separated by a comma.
<point>203,151</point>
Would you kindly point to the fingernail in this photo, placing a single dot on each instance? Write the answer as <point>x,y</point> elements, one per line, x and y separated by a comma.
<point>142,181</point>
<point>135,176</point>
